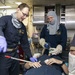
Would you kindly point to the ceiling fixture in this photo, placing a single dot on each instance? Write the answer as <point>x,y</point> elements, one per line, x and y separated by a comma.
<point>18,3</point>
<point>5,7</point>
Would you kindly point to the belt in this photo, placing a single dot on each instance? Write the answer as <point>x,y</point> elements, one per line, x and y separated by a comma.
<point>11,49</point>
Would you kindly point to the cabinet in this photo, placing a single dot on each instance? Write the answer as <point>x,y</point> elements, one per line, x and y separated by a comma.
<point>67,16</point>
<point>38,15</point>
<point>70,17</point>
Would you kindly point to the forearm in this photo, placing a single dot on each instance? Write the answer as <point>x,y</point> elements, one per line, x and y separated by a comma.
<point>65,69</point>
<point>59,62</point>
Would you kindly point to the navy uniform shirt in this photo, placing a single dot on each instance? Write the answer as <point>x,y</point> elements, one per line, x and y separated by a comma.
<point>59,38</point>
<point>14,35</point>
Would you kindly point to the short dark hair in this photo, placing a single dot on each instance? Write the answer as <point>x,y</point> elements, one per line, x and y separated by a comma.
<point>23,5</point>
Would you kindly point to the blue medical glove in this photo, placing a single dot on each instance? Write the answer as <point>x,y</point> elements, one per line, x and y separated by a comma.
<point>3,44</point>
<point>47,45</point>
<point>32,59</point>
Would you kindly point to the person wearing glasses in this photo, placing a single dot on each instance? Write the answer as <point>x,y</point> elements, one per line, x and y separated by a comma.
<point>12,33</point>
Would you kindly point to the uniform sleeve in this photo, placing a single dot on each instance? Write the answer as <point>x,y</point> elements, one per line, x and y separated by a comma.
<point>63,36</point>
<point>25,45</point>
<point>2,25</point>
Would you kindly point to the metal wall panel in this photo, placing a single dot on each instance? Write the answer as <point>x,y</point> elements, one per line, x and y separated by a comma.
<point>70,17</point>
<point>39,14</point>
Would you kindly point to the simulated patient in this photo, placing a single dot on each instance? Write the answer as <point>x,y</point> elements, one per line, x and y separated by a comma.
<point>46,65</point>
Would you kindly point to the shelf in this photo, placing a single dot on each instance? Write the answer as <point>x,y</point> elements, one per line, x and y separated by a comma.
<point>62,17</point>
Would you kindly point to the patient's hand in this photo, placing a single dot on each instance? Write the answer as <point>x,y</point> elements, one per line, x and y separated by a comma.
<point>35,64</point>
<point>52,61</point>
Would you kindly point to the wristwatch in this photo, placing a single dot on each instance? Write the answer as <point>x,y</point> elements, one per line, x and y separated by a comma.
<point>62,63</point>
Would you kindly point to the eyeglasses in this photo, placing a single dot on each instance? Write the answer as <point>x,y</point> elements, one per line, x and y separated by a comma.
<point>25,14</point>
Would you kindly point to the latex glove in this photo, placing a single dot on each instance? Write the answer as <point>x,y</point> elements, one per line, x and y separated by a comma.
<point>3,44</point>
<point>44,44</point>
<point>55,51</point>
<point>32,59</point>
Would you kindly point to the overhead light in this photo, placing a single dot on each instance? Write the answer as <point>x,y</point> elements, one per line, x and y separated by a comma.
<point>5,6</point>
<point>18,3</point>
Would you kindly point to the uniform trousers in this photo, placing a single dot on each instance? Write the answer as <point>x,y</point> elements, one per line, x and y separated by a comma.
<point>9,66</point>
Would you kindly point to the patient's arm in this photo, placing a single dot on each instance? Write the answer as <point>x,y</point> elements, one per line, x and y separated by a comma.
<point>32,64</point>
<point>52,61</point>
<point>60,62</point>
<point>65,68</point>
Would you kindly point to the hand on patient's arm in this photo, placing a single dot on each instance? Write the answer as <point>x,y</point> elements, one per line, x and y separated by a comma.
<point>32,64</point>
<point>52,61</point>
<point>60,62</point>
